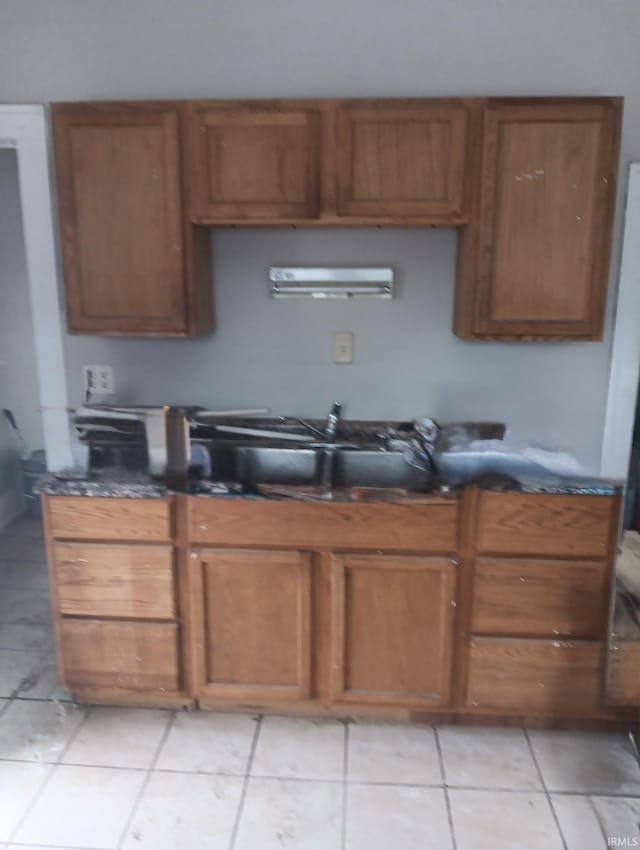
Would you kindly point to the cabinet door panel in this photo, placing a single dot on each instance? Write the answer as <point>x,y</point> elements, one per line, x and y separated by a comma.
<point>255,623</point>
<point>120,203</point>
<point>254,162</point>
<point>392,629</point>
<point>404,160</point>
<point>535,262</point>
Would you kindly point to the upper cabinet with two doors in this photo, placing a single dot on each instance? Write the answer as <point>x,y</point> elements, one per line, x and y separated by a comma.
<point>530,183</point>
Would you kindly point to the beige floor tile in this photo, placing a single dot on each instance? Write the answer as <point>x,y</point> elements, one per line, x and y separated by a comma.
<point>620,818</point>
<point>180,811</point>
<point>385,752</point>
<point>19,784</point>
<point>208,742</point>
<point>82,807</point>
<point>287,814</point>
<point>118,737</point>
<point>586,762</point>
<point>380,817</point>
<point>21,636</point>
<point>24,606</point>
<point>42,680</point>
<point>503,820</point>
<point>488,758</point>
<point>578,822</point>
<point>37,731</point>
<point>15,666</point>
<point>300,748</point>
<point>23,575</point>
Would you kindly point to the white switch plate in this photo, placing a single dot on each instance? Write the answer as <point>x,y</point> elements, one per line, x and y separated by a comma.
<point>343,347</point>
<point>98,380</point>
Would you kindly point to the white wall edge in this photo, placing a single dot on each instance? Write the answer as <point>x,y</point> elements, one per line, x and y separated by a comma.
<point>24,127</point>
<point>625,355</point>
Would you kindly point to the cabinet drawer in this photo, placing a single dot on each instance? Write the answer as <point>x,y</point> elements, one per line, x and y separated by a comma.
<point>541,676</point>
<point>98,580</point>
<point>135,656</point>
<point>305,525</point>
<point>109,519</point>
<point>533,524</point>
<point>540,598</point>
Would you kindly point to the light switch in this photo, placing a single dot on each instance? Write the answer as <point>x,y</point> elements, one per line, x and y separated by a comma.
<point>98,380</point>
<point>343,347</point>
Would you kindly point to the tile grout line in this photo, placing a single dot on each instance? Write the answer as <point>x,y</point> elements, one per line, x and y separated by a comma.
<point>345,787</point>
<point>447,797</point>
<point>48,777</point>
<point>146,780</point>
<point>548,795</point>
<point>245,784</point>
<point>599,819</point>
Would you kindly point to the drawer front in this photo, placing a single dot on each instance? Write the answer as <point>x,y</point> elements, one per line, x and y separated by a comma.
<point>540,598</point>
<point>109,519</point>
<point>304,525</point>
<point>109,654</point>
<point>623,686</point>
<point>533,524</point>
<point>535,676</point>
<point>98,580</point>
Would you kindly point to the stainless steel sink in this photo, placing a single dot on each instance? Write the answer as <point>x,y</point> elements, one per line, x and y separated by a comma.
<point>371,468</point>
<point>275,465</point>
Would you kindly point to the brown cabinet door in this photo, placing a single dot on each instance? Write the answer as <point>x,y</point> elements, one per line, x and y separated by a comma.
<point>392,629</point>
<point>253,623</point>
<point>118,171</point>
<point>535,260</point>
<point>402,160</point>
<point>253,162</point>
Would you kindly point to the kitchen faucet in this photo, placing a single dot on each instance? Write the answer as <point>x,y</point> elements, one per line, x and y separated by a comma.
<point>333,419</point>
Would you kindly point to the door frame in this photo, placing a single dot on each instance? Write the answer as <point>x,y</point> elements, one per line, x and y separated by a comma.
<point>24,128</point>
<point>624,368</point>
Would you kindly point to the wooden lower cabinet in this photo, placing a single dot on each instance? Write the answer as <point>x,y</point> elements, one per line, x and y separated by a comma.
<point>121,654</point>
<point>252,612</point>
<point>535,676</point>
<point>392,628</point>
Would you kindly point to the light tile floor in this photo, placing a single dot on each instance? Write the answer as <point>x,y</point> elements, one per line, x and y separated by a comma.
<point>109,778</point>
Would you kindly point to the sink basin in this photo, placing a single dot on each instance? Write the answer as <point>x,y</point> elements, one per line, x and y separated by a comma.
<point>366,468</point>
<point>275,465</point>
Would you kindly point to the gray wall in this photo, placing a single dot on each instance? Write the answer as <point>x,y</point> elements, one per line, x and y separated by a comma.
<point>407,360</point>
<point>18,376</point>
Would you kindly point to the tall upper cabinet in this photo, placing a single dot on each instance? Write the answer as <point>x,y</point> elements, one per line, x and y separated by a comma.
<point>129,253</point>
<point>534,258</point>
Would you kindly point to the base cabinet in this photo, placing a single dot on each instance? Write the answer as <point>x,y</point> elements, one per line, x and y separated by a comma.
<point>252,612</point>
<point>392,628</point>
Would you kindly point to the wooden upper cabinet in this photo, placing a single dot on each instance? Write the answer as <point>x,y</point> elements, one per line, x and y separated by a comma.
<point>534,259</point>
<point>127,256</point>
<point>253,161</point>
<point>402,160</point>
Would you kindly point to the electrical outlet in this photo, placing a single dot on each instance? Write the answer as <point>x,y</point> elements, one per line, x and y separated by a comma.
<point>98,380</point>
<point>343,347</point>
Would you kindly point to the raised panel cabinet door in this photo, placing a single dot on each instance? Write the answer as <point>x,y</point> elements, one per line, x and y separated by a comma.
<point>392,629</point>
<point>402,160</point>
<point>253,162</point>
<point>119,195</point>
<point>253,623</point>
<point>535,263</point>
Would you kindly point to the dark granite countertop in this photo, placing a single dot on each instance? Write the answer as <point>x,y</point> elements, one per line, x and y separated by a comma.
<point>116,484</point>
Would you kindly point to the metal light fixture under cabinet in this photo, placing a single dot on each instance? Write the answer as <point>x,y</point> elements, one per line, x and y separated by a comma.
<point>296,282</point>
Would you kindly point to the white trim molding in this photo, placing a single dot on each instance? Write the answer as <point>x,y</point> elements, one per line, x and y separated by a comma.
<point>25,129</point>
<point>625,355</point>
